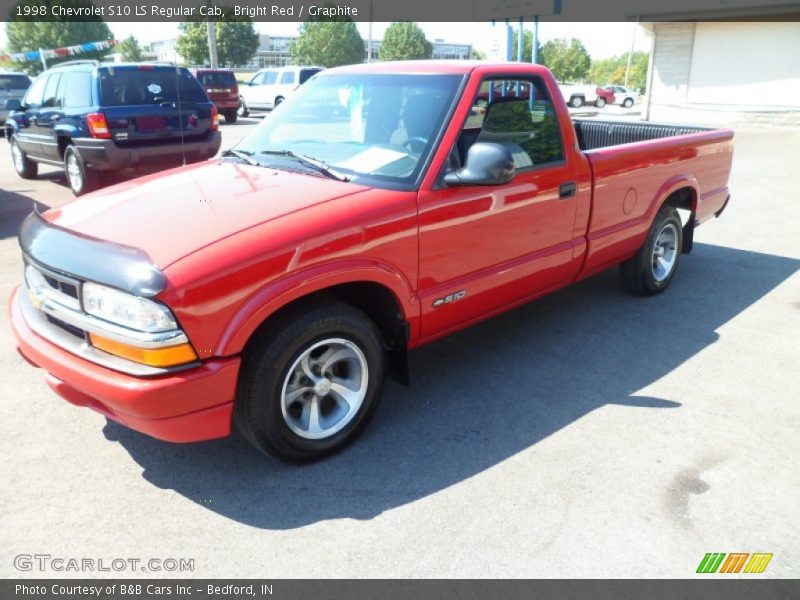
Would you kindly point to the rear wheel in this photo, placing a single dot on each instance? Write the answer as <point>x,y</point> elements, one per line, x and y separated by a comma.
<point>80,178</point>
<point>600,102</point>
<point>310,382</point>
<point>231,116</point>
<point>24,166</point>
<point>243,111</point>
<point>652,268</point>
<point>576,101</point>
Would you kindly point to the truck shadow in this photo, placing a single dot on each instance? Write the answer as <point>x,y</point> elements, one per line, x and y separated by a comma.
<point>480,396</point>
<point>14,207</point>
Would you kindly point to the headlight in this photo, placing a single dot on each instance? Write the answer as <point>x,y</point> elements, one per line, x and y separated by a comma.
<point>126,310</point>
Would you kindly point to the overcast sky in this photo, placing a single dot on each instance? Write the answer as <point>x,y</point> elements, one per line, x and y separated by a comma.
<point>602,40</point>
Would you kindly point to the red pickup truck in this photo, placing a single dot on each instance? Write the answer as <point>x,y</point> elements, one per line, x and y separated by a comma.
<point>376,210</point>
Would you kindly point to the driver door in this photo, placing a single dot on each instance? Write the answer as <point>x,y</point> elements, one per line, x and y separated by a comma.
<point>486,248</point>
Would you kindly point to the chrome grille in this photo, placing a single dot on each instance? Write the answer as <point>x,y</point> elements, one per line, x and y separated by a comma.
<point>53,286</point>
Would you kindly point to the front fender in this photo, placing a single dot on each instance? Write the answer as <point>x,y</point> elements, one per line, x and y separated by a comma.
<point>296,285</point>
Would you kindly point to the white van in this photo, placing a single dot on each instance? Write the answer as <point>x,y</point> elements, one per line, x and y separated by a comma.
<point>269,87</point>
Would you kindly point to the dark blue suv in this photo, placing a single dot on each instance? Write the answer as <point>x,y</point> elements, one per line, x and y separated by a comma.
<point>88,118</point>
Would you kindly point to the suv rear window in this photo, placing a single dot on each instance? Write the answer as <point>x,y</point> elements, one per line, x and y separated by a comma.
<point>14,82</point>
<point>306,74</point>
<point>121,87</point>
<point>216,79</point>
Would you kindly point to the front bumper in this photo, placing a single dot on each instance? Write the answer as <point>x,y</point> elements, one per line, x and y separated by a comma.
<point>105,155</point>
<point>186,406</point>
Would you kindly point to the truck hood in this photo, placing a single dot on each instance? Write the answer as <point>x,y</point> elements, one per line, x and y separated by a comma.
<point>171,214</point>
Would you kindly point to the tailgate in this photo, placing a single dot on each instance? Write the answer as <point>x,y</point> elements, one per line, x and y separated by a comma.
<point>166,121</point>
<point>151,104</point>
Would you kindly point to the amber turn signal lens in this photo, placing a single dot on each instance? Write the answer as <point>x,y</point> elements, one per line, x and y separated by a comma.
<point>154,357</point>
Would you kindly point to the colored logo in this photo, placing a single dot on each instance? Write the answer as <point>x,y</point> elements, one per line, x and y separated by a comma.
<point>716,562</point>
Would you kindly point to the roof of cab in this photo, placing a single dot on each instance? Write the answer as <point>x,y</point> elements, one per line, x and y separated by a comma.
<point>441,67</point>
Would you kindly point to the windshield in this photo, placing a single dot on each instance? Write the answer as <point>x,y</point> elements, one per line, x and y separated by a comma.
<point>376,126</point>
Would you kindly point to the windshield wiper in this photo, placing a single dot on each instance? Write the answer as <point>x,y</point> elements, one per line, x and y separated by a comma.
<point>309,161</point>
<point>244,155</point>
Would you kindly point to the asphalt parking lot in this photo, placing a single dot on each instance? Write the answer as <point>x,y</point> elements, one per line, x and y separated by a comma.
<point>589,434</point>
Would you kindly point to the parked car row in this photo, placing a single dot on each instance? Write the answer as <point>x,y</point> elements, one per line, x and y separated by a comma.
<point>91,118</point>
<point>269,87</point>
<point>577,96</point>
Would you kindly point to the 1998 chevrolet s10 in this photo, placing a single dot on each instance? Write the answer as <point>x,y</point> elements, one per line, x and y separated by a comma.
<point>383,206</point>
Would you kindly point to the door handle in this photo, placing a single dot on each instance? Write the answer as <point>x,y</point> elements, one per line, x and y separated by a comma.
<point>567,190</point>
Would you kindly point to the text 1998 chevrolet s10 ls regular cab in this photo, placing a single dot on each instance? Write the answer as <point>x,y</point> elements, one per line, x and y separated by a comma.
<point>376,210</point>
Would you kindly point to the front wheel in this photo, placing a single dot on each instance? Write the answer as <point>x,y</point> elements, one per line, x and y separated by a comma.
<point>628,103</point>
<point>278,101</point>
<point>652,268</point>
<point>24,166</point>
<point>310,381</point>
<point>600,102</point>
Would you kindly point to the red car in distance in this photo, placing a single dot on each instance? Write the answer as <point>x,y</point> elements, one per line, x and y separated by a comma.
<point>222,89</point>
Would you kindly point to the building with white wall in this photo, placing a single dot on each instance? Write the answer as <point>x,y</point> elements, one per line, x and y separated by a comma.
<point>725,72</point>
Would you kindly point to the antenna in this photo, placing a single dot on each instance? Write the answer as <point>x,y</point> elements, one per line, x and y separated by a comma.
<point>180,110</point>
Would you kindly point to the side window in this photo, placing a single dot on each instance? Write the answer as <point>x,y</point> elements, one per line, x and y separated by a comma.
<point>519,115</point>
<point>270,77</point>
<point>50,99</point>
<point>257,79</point>
<point>75,90</point>
<point>287,77</point>
<point>35,93</point>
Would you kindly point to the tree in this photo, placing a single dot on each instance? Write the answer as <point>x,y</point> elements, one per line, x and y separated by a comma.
<point>527,47</point>
<point>192,42</point>
<point>612,70</point>
<point>405,41</point>
<point>329,43</point>
<point>476,54</point>
<point>568,60</point>
<point>129,49</point>
<point>237,40</point>
<point>51,32</point>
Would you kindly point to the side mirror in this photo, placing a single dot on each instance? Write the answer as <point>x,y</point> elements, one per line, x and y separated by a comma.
<point>12,104</point>
<point>487,164</point>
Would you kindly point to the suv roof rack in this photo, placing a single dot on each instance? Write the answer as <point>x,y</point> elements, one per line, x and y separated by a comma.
<point>70,63</point>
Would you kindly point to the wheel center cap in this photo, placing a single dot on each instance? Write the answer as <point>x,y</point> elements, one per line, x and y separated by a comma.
<point>322,387</point>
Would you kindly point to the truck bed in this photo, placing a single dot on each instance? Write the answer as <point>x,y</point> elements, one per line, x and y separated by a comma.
<point>601,134</point>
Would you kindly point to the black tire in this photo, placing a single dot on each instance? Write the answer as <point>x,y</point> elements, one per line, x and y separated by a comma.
<point>83,179</point>
<point>231,116</point>
<point>641,274</point>
<point>243,110</point>
<point>576,101</point>
<point>278,100</point>
<point>24,166</point>
<point>600,102</point>
<point>266,365</point>
<point>627,103</point>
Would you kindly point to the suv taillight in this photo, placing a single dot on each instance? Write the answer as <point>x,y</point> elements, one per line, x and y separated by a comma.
<point>98,127</point>
<point>214,118</point>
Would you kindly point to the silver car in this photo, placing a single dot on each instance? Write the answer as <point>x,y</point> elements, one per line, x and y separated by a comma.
<point>12,85</point>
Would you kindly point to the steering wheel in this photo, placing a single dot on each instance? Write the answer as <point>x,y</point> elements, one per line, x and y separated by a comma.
<point>415,141</point>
